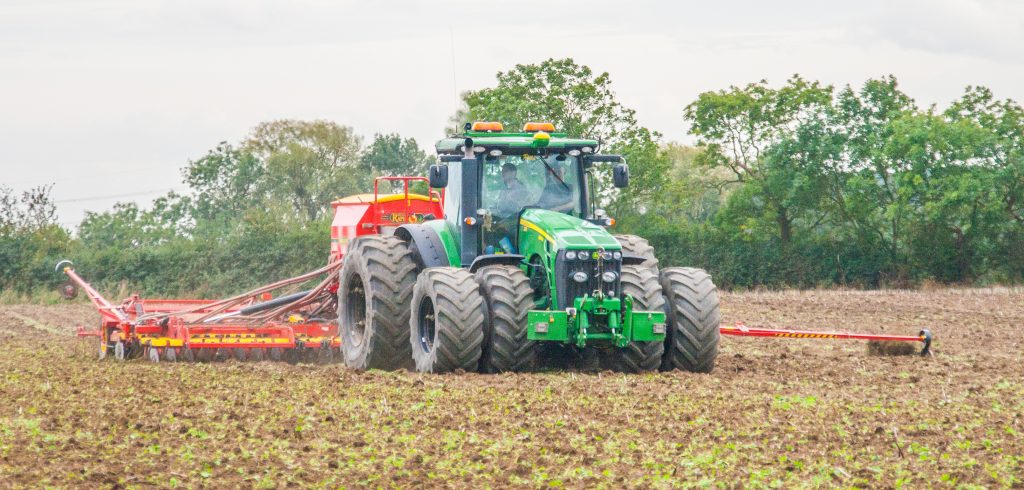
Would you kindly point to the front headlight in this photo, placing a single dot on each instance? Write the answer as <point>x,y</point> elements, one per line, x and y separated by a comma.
<point>609,276</point>
<point>617,255</point>
<point>606,255</point>
<point>570,255</point>
<point>580,276</point>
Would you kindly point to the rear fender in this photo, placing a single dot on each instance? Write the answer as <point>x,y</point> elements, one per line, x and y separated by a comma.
<point>427,246</point>
<point>496,259</point>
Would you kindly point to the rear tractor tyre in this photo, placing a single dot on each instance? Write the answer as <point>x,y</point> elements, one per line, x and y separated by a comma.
<point>634,245</point>
<point>692,334</point>
<point>641,283</point>
<point>508,298</point>
<point>446,328</point>
<point>373,303</point>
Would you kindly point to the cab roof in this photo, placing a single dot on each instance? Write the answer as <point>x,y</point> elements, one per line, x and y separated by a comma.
<point>512,141</point>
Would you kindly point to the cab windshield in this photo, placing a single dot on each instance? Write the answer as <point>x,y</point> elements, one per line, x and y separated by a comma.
<point>513,182</point>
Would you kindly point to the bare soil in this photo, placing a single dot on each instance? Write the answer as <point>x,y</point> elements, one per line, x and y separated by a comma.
<point>774,413</point>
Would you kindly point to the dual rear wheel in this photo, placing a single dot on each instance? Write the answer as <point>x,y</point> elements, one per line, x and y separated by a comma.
<point>441,319</point>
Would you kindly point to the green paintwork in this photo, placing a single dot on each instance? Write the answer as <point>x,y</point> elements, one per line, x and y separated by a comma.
<point>621,326</point>
<point>542,234</point>
<point>448,240</point>
<point>568,232</point>
<point>560,231</point>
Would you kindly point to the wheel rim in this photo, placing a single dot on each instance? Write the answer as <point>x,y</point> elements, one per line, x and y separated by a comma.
<point>427,324</point>
<point>355,297</point>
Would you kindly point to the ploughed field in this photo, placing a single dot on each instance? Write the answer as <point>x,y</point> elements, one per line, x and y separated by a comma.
<point>775,412</point>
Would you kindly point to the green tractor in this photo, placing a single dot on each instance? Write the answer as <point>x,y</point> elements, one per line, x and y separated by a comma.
<point>520,269</point>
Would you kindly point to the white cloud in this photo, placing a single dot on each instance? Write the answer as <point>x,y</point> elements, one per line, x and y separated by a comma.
<point>991,29</point>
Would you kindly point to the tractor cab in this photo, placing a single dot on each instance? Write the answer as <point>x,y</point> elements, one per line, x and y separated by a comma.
<point>492,176</point>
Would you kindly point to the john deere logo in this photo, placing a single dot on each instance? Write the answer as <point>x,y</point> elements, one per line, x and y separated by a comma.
<point>596,255</point>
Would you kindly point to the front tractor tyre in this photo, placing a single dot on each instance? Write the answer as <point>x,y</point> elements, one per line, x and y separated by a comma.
<point>692,334</point>
<point>446,328</point>
<point>641,283</point>
<point>373,303</point>
<point>508,298</point>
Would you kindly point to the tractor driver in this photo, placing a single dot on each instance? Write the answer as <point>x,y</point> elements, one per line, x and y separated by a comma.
<point>511,197</point>
<point>557,194</point>
<point>513,193</point>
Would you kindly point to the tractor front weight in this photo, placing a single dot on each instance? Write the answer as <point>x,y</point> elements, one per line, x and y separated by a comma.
<point>597,319</point>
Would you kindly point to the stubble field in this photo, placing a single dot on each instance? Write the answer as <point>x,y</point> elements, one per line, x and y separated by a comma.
<point>775,413</point>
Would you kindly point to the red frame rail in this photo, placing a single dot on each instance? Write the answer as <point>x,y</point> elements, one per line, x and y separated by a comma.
<point>189,324</point>
<point>741,330</point>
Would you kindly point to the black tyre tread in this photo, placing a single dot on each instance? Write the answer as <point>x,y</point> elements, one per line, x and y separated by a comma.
<point>508,298</point>
<point>459,317</point>
<point>693,319</point>
<point>638,246</point>
<point>387,267</point>
<point>640,282</point>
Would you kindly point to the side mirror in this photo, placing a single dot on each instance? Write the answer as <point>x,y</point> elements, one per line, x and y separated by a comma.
<point>620,175</point>
<point>438,176</point>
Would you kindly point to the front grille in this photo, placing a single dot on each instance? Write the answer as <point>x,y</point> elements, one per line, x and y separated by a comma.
<point>569,289</point>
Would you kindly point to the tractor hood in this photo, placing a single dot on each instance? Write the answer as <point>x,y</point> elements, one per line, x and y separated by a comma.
<point>567,232</point>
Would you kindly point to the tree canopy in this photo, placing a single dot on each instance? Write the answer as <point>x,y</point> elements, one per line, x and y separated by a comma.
<point>798,184</point>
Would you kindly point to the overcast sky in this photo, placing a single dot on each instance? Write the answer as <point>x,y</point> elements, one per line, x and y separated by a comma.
<point>111,98</point>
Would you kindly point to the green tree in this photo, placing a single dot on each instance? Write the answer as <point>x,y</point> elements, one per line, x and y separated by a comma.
<point>390,154</point>
<point>1002,153</point>
<point>871,188</point>
<point>774,140</point>
<point>226,182</point>
<point>946,198</point>
<point>693,192</point>
<point>1003,150</point>
<point>308,164</point>
<point>31,241</point>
